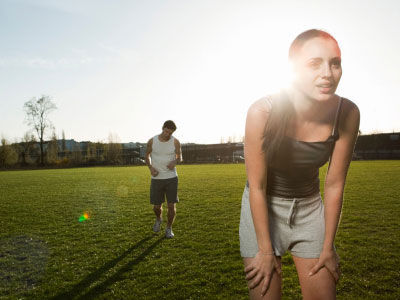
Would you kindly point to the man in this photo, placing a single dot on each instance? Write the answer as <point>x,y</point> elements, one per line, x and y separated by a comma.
<point>162,155</point>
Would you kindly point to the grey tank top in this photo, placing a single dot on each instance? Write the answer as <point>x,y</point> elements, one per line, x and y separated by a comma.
<point>294,172</point>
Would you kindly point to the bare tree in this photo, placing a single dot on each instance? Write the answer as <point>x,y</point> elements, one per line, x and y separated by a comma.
<point>37,111</point>
<point>114,149</point>
<point>63,143</point>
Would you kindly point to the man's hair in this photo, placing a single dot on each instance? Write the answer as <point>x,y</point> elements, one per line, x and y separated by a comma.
<point>303,37</point>
<point>170,125</point>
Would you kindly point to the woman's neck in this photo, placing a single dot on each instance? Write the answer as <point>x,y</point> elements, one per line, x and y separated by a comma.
<point>307,109</point>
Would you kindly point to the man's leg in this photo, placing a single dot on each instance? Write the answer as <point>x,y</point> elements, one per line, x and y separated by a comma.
<point>171,214</point>
<point>172,199</point>
<point>157,223</point>
<point>156,198</point>
<point>171,217</point>
<point>158,211</point>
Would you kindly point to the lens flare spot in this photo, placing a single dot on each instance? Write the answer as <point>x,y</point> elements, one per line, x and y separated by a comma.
<point>84,217</point>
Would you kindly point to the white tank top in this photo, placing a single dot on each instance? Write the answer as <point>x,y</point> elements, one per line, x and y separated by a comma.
<point>161,155</point>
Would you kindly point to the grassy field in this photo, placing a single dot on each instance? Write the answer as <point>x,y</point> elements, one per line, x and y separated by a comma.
<point>46,253</point>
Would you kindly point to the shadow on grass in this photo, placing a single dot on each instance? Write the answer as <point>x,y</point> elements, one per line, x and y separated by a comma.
<point>93,277</point>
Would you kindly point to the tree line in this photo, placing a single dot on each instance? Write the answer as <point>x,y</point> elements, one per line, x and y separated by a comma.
<point>27,154</point>
<point>33,150</point>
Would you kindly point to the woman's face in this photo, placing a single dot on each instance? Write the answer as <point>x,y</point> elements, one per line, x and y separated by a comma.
<point>317,68</point>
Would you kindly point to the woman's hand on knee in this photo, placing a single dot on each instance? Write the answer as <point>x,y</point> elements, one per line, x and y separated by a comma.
<point>261,270</point>
<point>330,260</point>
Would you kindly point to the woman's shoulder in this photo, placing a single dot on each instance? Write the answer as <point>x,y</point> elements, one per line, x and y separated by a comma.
<point>347,103</point>
<point>349,108</point>
<point>350,115</point>
<point>262,105</point>
<point>257,116</point>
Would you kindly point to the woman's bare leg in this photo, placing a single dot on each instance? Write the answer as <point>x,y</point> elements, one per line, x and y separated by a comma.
<point>274,290</point>
<point>318,286</point>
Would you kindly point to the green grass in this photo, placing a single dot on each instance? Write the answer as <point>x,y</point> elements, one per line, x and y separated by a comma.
<point>45,252</point>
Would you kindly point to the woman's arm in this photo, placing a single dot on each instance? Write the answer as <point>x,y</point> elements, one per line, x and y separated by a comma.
<point>334,183</point>
<point>256,169</point>
<point>264,263</point>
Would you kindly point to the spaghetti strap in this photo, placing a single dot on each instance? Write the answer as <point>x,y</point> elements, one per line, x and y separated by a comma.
<point>335,132</point>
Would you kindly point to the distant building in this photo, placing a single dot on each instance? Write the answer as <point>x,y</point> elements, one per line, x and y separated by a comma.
<point>368,147</point>
<point>378,146</point>
<point>70,145</point>
<point>133,153</point>
<point>212,153</point>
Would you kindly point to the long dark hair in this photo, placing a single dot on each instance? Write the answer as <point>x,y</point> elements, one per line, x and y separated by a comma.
<point>282,110</point>
<point>281,113</point>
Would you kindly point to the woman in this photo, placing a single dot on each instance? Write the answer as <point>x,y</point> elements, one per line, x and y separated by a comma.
<point>289,136</point>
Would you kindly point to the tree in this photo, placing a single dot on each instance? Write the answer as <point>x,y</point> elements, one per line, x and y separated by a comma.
<point>25,146</point>
<point>113,149</point>
<point>8,156</point>
<point>52,150</point>
<point>37,111</point>
<point>63,143</point>
<point>77,154</point>
<point>91,153</point>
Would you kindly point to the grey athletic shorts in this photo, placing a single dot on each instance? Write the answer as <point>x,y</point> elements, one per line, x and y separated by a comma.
<point>161,188</point>
<point>295,224</point>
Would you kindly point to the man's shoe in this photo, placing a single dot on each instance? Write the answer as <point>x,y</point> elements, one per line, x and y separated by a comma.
<point>157,225</point>
<point>168,233</point>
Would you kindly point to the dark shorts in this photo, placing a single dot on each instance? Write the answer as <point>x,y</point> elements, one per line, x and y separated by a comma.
<point>161,188</point>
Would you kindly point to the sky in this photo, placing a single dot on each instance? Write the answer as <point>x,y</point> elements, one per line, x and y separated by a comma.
<point>124,67</point>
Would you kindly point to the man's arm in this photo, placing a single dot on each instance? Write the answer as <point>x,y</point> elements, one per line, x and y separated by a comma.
<point>178,155</point>
<point>149,149</point>
<point>178,151</point>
